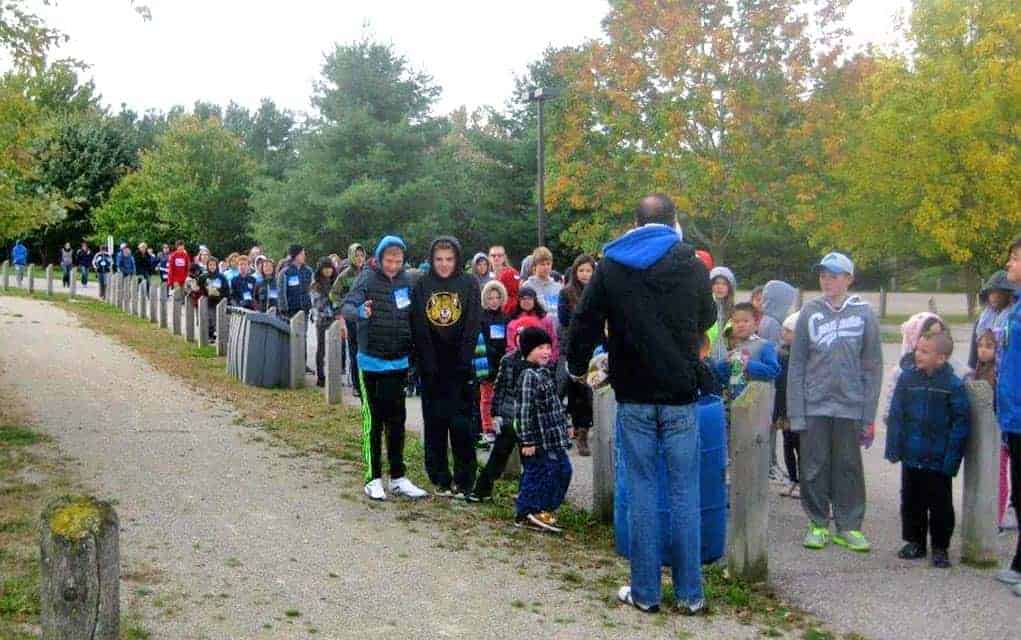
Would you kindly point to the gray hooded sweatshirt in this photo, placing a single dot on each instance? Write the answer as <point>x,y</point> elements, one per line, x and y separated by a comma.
<point>836,364</point>
<point>777,299</point>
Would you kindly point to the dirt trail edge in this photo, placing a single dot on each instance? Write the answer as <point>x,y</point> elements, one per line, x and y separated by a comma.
<point>247,540</point>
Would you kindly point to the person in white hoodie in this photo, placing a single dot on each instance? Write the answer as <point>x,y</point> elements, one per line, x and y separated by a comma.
<point>833,384</point>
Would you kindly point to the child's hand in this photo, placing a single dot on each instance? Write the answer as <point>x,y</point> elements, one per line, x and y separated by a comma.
<point>867,435</point>
<point>528,451</point>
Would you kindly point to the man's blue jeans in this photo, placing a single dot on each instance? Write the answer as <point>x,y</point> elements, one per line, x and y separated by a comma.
<point>645,430</point>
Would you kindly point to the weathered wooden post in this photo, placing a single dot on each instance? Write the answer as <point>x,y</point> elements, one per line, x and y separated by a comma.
<point>981,479</point>
<point>175,311</point>
<point>601,437</point>
<point>202,331</point>
<point>31,278</point>
<point>747,540</point>
<point>74,285</point>
<point>189,321</point>
<point>80,570</point>
<point>5,274</point>
<point>49,280</point>
<point>893,283</point>
<point>882,303</point>
<point>154,294</point>
<point>298,328</point>
<point>143,301</point>
<point>161,305</point>
<point>333,389</point>
<point>222,328</point>
<point>932,305</point>
<point>111,288</point>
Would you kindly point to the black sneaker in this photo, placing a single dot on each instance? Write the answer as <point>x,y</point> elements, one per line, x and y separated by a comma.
<point>940,559</point>
<point>475,498</point>
<point>912,551</point>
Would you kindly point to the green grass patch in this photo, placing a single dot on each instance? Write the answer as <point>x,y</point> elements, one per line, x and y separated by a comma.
<point>11,436</point>
<point>207,351</point>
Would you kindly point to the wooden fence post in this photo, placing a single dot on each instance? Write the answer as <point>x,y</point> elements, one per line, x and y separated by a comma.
<point>202,331</point>
<point>161,305</point>
<point>747,531</point>
<point>298,328</point>
<point>154,294</point>
<point>79,570</point>
<point>31,278</point>
<point>189,320</point>
<point>882,303</point>
<point>932,305</point>
<point>604,405</point>
<point>222,328</point>
<point>175,310</point>
<point>143,302</point>
<point>74,285</point>
<point>5,274</point>
<point>333,389</point>
<point>49,280</point>
<point>981,479</point>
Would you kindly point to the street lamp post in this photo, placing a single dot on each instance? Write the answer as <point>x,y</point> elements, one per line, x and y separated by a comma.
<point>540,96</point>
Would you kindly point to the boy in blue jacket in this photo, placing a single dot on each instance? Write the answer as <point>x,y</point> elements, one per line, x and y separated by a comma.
<point>926,432</point>
<point>1008,401</point>
<point>749,357</point>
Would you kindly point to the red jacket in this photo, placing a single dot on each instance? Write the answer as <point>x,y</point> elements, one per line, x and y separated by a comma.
<point>177,267</point>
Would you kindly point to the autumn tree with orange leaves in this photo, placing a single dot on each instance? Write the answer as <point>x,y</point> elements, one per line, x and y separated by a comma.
<point>697,99</point>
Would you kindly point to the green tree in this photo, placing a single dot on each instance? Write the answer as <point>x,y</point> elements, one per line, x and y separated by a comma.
<point>194,184</point>
<point>364,161</point>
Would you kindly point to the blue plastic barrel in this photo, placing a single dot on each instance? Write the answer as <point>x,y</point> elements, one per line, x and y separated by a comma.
<point>712,481</point>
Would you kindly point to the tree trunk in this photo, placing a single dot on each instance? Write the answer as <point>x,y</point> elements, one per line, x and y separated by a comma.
<point>80,570</point>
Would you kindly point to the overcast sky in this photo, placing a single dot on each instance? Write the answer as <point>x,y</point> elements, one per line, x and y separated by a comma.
<point>244,50</point>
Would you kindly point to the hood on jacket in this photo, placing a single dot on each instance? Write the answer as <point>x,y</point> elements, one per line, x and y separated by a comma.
<point>726,273</point>
<point>643,247</point>
<point>479,256</point>
<point>777,299</point>
<point>453,242</point>
<point>494,285</point>
<point>911,330</point>
<point>386,242</point>
<point>996,281</point>
<point>352,249</point>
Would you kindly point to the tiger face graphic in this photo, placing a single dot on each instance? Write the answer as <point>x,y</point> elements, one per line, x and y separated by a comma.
<point>443,308</point>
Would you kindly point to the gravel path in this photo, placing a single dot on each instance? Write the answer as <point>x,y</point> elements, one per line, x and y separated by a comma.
<point>232,532</point>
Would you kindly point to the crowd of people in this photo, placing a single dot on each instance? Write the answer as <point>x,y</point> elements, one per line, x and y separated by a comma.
<point>505,360</point>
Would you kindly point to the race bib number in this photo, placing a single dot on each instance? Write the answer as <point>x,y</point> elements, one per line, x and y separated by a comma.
<point>178,262</point>
<point>497,332</point>
<point>552,301</point>
<point>246,296</point>
<point>273,293</point>
<point>293,281</point>
<point>402,298</point>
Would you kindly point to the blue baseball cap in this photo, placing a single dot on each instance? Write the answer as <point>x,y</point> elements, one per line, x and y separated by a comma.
<point>836,263</point>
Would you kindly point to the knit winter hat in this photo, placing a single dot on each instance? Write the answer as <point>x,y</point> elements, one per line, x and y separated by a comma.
<point>527,292</point>
<point>531,338</point>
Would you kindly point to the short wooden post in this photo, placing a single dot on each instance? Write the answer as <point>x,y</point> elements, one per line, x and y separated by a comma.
<point>80,570</point>
<point>189,320</point>
<point>111,288</point>
<point>175,310</point>
<point>161,305</point>
<point>298,328</point>
<point>333,389</point>
<point>893,283</point>
<point>222,328</point>
<point>154,294</point>
<point>49,280</point>
<point>747,539</point>
<point>882,303</point>
<point>31,278</point>
<point>74,285</point>
<point>932,305</point>
<point>202,331</point>
<point>5,274</point>
<point>601,437</point>
<point>981,479</point>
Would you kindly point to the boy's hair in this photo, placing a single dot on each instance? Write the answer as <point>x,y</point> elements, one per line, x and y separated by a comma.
<point>541,254</point>
<point>747,307</point>
<point>941,342</point>
<point>656,208</point>
<point>1015,245</point>
<point>179,243</point>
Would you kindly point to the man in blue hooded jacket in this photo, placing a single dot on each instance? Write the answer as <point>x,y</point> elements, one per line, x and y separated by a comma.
<point>19,257</point>
<point>653,293</point>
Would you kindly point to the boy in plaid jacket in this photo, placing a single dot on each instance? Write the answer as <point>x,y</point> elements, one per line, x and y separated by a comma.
<point>544,437</point>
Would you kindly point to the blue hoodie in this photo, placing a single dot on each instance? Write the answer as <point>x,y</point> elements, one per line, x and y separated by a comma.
<point>643,247</point>
<point>19,254</point>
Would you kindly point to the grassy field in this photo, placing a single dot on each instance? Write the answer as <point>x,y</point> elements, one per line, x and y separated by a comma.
<point>583,558</point>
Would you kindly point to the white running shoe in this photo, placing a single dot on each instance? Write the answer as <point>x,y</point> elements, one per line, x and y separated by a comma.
<point>404,487</point>
<point>374,490</point>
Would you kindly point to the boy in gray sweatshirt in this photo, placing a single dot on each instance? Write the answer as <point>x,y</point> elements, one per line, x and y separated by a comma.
<point>833,384</point>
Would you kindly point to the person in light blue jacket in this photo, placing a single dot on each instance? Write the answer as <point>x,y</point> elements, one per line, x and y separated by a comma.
<point>19,256</point>
<point>126,261</point>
